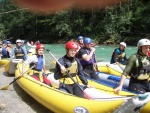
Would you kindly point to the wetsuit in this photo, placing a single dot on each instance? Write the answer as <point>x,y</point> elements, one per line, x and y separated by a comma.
<point>138,68</point>
<point>118,56</point>
<point>74,68</point>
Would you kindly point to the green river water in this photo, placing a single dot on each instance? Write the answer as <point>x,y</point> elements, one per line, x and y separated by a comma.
<point>103,52</point>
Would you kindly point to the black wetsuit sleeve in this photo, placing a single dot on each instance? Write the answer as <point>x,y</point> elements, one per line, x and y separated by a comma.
<point>81,53</point>
<point>81,74</point>
<point>57,73</point>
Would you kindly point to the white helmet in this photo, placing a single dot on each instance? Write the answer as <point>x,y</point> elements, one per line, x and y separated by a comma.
<point>18,41</point>
<point>143,42</point>
<point>123,43</point>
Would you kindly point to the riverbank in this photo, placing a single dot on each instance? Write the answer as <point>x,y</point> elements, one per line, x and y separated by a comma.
<point>15,100</point>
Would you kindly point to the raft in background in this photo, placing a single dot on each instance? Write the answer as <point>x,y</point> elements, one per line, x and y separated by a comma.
<point>4,61</point>
<point>102,66</point>
<point>115,69</point>
<point>59,101</point>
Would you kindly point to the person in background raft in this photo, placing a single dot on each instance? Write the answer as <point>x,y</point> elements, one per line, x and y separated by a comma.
<point>138,68</point>
<point>86,56</point>
<point>37,42</point>
<point>23,43</point>
<point>18,52</point>
<point>6,49</point>
<point>32,43</point>
<point>80,42</point>
<point>119,54</point>
<point>38,60</point>
<point>74,68</point>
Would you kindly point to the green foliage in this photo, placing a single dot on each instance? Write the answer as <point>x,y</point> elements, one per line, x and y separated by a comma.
<point>127,21</point>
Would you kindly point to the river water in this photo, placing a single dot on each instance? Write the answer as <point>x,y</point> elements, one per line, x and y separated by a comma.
<point>103,52</point>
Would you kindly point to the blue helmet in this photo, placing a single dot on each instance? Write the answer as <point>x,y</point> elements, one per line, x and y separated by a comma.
<point>80,37</point>
<point>87,40</point>
<point>7,42</point>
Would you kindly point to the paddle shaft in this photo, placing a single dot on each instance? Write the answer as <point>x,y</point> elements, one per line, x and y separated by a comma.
<point>120,66</point>
<point>20,75</point>
<point>87,96</point>
<point>14,80</point>
<point>96,63</point>
<point>65,71</point>
<point>6,87</point>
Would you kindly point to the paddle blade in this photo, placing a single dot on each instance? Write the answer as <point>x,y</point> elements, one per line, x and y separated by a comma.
<point>5,87</point>
<point>87,96</point>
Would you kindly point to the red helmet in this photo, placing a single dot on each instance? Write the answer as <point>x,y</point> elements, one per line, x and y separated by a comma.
<point>40,46</point>
<point>71,45</point>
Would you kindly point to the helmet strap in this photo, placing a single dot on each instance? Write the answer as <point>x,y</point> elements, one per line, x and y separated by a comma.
<point>140,50</point>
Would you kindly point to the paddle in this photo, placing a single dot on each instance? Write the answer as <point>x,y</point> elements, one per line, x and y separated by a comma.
<point>122,67</point>
<point>6,87</point>
<point>96,64</point>
<point>86,95</point>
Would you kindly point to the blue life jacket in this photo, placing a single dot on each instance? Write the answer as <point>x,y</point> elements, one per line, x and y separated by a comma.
<point>4,52</point>
<point>40,63</point>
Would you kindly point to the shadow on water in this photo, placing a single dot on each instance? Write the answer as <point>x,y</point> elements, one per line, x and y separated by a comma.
<point>36,106</point>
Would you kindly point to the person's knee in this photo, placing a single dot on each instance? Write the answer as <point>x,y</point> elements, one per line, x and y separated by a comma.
<point>137,89</point>
<point>95,76</point>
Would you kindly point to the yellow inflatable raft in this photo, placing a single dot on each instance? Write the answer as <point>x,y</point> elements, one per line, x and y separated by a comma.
<point>4,61</point>
<point>62,102</point>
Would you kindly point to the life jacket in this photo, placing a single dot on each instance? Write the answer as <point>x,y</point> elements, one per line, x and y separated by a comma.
<point>72,70</point>
<point>91,61</point>
<point>142,70</point>
<point>37,70</point>
<point>38,65</point>
<point>5,54</point>
<point>38,75</point>
<point>121,55</point>
<point>19,53</point>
